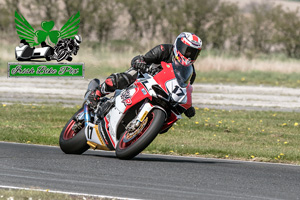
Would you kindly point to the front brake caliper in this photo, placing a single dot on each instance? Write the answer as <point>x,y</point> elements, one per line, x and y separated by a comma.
<point>78,126</point>
<point>141,116</point>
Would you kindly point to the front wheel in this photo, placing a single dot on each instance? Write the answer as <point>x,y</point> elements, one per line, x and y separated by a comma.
<point>70,141</point>
<point>62,54</point>
<point>131,144</point>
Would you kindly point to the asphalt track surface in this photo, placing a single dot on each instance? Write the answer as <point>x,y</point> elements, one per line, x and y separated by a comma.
<point>146,176</point>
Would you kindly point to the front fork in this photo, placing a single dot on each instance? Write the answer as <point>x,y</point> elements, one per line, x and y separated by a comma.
<point>87,117</point>
<point>144,110</point>
<point>135,123</point>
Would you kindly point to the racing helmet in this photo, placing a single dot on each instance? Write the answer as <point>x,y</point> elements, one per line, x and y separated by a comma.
<point>187,47</point>
<point>77,40</point>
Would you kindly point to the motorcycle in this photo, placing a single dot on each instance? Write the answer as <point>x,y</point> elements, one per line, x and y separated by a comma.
<point>62,53</point>
<point>132,118</point>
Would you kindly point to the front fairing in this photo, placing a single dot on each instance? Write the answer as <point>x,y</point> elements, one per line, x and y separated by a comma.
<point>174,80</point>
<point>178,94</point>
<point>182,73</point>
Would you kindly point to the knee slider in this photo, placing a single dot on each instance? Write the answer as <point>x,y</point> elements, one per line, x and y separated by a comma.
<point>111,83</point>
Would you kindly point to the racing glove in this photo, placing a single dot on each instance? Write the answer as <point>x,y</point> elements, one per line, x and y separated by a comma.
<point>190,112</point>
<point>138,63</point>
<point>154,69</point>
<point>94,97</point>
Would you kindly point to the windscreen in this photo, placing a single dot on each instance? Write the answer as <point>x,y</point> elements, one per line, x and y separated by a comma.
<point>182,73</point>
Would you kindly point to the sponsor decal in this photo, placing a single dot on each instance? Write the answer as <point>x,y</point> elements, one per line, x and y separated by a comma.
<point>126,98</point>
<point>144,91</point>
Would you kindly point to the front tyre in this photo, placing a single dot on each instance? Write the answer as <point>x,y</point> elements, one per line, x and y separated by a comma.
<point>128,148</point>
<point>61,55</point>
<point>72,142</point>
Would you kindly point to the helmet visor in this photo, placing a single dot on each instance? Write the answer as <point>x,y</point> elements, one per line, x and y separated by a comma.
<point>187,51</point>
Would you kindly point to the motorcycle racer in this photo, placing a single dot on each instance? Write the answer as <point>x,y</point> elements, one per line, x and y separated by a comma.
<point>185,50</point>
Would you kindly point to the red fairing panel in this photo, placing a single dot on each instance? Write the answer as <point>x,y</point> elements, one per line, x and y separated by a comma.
<point>170,121</point>
<point>163,76</point>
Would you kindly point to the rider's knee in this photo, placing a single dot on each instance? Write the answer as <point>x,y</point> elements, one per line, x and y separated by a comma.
<point>118,81</point>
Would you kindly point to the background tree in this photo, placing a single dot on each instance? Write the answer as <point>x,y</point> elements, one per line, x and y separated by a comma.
<point>42,10</point>
<point>198,16</point>
<point>261,27</point>
<point>287,25</point>
<point>220,29</point>
<point>238,33</point>
<point>86,11</point>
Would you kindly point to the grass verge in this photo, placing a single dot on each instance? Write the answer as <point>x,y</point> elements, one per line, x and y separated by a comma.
<point>11,194</point>
<point>246,135</point>
<point>250,78</point>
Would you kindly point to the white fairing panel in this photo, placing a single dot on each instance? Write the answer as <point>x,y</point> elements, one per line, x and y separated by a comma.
<point>178,93</point>
<point>114,116</point>
<point>91,135</point>
<point>119,105</point>
<point>41,51</point>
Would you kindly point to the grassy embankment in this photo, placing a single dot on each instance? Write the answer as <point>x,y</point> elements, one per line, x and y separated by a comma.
<point>16,194</point>
<point>245,135</point>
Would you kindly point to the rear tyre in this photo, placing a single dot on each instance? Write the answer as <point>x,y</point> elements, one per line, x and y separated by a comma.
<point>71,142</point>
<point>129,148</point>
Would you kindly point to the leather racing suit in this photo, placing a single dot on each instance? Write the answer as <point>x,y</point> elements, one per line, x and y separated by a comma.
<point>162,52</point>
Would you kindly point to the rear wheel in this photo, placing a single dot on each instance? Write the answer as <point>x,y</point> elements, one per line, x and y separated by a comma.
<point>131,144</point>
<point>70,141</point>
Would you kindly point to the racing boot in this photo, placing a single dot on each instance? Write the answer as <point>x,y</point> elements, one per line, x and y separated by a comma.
<point>93,93</point>
<point>106,103</point>
<point>96,91</point>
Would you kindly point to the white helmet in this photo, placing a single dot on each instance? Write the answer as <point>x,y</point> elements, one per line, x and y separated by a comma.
<point>77,40</point>
<point>187,47</point>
